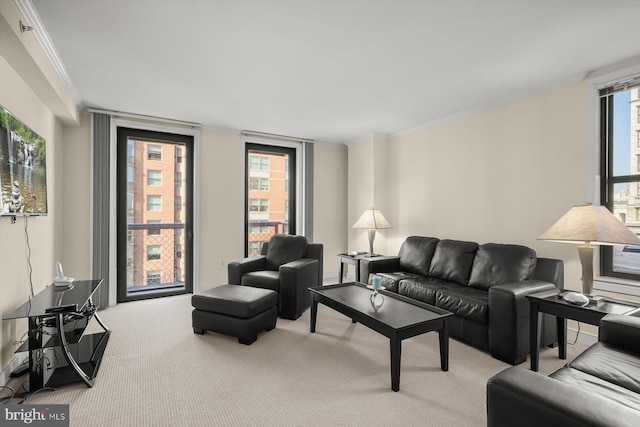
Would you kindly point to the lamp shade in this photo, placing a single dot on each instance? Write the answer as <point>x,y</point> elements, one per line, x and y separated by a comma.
<point>372,219</point>
<point>590,224</point>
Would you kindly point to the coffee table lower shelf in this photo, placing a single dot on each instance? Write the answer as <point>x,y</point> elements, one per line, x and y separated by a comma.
<point>397,319</point>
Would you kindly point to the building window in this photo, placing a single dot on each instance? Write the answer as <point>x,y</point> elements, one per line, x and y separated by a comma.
<point>259,184</point>
<point>259,163</point>
<point>130,177</point>
<point>620,176</point>
<point>254,248</point>
<point>259,205</point>
<point>154,278</point>
<point>154,203</point>
<point>178,204</point>
<point>178,179</point>
<point>153,231</point>
<point>638,114</point>
<point>154,152</point>
<point>154,177</point>
<point>178,155</point>
<point>130,151</point>
<point>154,252</point>
<point>259,229</point>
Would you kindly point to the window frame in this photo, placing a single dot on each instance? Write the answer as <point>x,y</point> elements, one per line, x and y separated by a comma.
<point>608,179</point>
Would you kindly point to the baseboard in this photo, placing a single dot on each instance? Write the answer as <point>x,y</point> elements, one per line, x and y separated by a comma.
<point>331,277</point>
<point>583,338</point>
<point>13,365</point>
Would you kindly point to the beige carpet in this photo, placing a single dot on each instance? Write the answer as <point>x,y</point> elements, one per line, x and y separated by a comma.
<point>157,372</point>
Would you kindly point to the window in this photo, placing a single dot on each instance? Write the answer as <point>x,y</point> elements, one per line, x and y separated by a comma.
<point>178,203</point>
<point>259,229</point>
<point>154,278</point>
<point>259,163</point>
<point>130,150</point>
<point>259,205</point>
<point>178,155</point>
<point>154,177</point>
<point>620,173</point>
<point>154,252</point>
<point>130,172</point>
<point>178,179</point>
<point>259,184</point>
<point>270,191</point>
<point>154,203</point>
<point>154,152</point>
<point>152,231</point>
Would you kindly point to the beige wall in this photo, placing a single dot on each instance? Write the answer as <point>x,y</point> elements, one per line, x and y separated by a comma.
<point>502,175</point>
<point>76,183</point>
<point>17,97</point>
<point>330,203</point>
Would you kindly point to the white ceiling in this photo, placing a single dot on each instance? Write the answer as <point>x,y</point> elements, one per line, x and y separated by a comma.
<point>331,71</point>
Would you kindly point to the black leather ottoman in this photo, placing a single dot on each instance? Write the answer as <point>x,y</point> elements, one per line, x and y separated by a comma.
<point>239,311</point>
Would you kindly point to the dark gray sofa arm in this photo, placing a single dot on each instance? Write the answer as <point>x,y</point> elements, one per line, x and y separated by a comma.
<point>621,331</point>
<point>550,270</point>
<point>509,319</point>
<point>378,265</point>
<point>236,269</point>
<point>295,277</point>
<point>523,398</point>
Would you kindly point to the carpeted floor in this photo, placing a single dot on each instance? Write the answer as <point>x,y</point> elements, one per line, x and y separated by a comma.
<point>157,372</point>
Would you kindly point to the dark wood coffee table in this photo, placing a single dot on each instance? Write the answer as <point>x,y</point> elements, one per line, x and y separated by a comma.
<point>398,318</point>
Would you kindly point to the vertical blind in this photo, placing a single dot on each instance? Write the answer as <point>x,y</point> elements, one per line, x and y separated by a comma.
<point>101,125</point>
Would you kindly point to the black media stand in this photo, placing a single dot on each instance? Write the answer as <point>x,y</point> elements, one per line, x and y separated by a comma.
<point>59,350</point>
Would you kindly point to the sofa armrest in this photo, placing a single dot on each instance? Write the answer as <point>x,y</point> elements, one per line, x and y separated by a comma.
<point>236,269</point>
<point>621,331</point>
<point>523,398</point>
<point>550,270</point>
<point>295,277</point>
<point>509,319</point>
<point>378,265</point>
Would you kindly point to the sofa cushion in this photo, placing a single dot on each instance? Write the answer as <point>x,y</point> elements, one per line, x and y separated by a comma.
<point>598,386</point>
<point>284,248</point>
<point>465,302</point>
<point>265,279</point>
<point>390,280</point>
<point>495,264</point>
<point>452,261</point>
<point>422,288</point>
<point>610,363</point>
<point>416,254</point>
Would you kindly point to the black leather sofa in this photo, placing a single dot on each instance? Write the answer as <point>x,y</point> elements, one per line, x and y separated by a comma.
<point>600,387</point>
<point>484,286</point>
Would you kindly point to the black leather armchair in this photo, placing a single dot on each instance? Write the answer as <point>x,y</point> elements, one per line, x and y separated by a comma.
<point>288,265</point>
<point>600,387</point>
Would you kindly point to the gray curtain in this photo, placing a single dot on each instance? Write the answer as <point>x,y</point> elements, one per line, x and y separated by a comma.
<point>308,185</point>
<point>101,187</point>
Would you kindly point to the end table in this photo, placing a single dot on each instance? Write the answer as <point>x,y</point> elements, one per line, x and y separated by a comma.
<point>551,302</point>
<point>352,259</point>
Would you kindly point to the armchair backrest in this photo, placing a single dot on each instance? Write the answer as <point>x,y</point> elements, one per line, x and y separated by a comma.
<point>284,248</point>
<point>313,250</point>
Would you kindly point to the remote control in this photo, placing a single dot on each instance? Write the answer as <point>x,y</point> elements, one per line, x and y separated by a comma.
<point>62,308</point>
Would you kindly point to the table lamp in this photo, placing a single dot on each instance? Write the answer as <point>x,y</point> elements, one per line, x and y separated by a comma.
<point>372,219</point>
<point>590,225</point>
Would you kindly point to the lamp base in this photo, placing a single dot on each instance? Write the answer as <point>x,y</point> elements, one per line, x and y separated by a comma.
<point>595,299</point>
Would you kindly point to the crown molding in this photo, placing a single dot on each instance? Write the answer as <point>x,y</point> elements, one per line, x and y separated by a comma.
<point>33,19</point>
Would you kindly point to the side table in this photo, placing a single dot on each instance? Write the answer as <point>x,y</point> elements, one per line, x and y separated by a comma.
<point>351,259</point>
<point>551,302</point>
